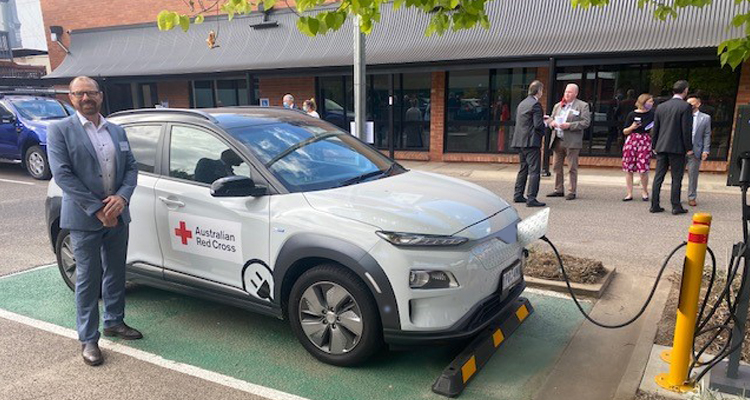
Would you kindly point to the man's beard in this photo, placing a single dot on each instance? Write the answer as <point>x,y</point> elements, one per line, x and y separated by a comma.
<point>89,108</point>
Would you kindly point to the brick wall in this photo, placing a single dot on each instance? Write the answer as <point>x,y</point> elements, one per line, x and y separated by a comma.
<point>274,89</point>
<point>437,116</point>
<point>542,74</point>
<point>176,92</point>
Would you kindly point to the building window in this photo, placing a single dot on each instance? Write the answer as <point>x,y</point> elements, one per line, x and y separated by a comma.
<point>480,109</point>
<point>411,107</point>
<point>231,93</point>
<point>203,92</point>
<point>612,90</point>
<point>147,95</point>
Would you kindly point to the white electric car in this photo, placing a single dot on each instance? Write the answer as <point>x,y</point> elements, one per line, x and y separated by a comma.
<point>284,214</point>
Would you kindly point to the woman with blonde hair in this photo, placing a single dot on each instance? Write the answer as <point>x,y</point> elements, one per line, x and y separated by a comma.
<point>309,107</point>
<point>636,153</point>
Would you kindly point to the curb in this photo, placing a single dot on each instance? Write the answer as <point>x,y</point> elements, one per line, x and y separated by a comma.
<point>580,289</point>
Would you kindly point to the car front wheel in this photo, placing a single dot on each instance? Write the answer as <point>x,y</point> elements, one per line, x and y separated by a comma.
<point>334,316</point>
<point>37,164</point>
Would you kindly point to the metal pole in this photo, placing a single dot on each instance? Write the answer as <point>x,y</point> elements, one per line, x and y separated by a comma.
<point>744,298</point>
<point>550,103</point>
<point>391,125</point>
<point>687,312</point>
<point>360,90</point>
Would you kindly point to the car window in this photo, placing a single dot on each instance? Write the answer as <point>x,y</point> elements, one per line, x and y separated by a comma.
<point>197,155</point>
<point>143,140</point>
<point>39,109</point>
<point>313,155</point>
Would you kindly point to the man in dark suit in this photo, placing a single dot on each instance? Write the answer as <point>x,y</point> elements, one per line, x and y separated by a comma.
<point>92,163</point>
<point>673,141</point>
<point>527,139</point>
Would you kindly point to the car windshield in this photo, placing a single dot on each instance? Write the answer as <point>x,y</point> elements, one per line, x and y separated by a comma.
<point>40,109</point>
<point>313,155</point>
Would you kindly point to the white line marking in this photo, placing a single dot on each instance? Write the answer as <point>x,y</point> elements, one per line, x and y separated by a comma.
<point>27,270</point>
<point>154,359</point>
<point>18,182</point>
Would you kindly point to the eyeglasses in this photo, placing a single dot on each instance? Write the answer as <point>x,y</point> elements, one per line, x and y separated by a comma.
<point>91,93</point>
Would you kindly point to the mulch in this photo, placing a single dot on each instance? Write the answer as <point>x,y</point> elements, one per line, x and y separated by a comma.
<point>544,265</point>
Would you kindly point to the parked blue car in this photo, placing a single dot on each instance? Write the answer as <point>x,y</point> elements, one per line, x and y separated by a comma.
<point>23,130</point>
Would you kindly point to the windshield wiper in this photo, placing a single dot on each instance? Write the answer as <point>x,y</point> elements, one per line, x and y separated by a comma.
<point>363,177</point>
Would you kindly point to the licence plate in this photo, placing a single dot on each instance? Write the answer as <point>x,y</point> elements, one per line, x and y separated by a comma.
<point>511,276</point>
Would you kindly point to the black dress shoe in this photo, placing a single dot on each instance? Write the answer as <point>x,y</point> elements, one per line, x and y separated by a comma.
<point>519,200</point>
<point>556,194</point>
<point>123,331</point>
<point>570,196</point>
<point>91,354</point>
<point>535,203</point>
<point>678,211</point>
<point>656,209</point>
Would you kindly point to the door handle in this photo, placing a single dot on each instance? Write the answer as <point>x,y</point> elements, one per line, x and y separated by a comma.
<point>170,202</point>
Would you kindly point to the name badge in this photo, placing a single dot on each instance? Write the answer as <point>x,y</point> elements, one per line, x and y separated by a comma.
<point>575,112</point>
<point>124,146</point>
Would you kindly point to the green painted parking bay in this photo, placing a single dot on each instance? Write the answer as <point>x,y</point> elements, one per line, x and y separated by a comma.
<point>263,351</point>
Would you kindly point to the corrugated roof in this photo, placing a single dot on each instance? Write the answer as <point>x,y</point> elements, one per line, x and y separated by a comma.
<point>524,28</point>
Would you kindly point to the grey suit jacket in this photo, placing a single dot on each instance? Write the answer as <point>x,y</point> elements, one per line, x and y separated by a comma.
<point>76,170</point>
<point>529,129</point>
<point>702,134</point>
<point>579,119</point>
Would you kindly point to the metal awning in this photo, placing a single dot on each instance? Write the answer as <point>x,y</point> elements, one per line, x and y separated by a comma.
<point>520,29</point>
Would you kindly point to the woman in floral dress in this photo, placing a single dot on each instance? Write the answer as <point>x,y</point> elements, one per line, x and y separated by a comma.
<point>636,153</point>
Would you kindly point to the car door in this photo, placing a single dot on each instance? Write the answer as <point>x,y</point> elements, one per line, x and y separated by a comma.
<point>208,241</point>
<point>8,134</point>
<point>145,140</point>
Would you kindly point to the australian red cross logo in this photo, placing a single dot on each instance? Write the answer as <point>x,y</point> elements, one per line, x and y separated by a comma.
<point>183,233</point>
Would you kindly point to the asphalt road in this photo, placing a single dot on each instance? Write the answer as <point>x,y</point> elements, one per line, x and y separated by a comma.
<point>22,228</point>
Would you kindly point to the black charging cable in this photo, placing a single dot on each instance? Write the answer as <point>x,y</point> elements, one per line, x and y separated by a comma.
<point>645,304</point>
<point>701,321</point>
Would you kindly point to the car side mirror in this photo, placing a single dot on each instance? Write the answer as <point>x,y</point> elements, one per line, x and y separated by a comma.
<point>237,186</point>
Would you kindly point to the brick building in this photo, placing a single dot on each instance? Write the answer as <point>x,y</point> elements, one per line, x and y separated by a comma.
<point>440,98</point>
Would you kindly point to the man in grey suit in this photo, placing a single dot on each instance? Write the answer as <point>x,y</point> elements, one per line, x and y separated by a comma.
<point>92,163</point>
<point>701,146</point>
<point>673,140</point>
<point>527,139</point>
<point>570,117</point>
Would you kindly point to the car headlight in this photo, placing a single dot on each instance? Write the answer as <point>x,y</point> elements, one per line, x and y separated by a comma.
<point>417,239</point>
<point>424,279</point>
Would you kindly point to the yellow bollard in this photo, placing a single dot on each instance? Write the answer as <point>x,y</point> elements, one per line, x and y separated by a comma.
<point>698,219</point>
<point>687,311</point>
<point>702,219</point>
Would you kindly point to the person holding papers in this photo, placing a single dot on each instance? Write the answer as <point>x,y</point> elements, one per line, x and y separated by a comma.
<point>636,153</point>
<point>570,117</point>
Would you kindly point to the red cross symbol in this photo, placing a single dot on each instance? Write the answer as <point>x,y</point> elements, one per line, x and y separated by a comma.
<point>183,233</point>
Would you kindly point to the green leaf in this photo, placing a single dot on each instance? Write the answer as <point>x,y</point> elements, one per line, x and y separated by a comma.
<point>184,22</point>
<point>397,4</point>
<point>165,20</point>
<point>268,4</point>
<point>198,19</point>
<point>739,20</point>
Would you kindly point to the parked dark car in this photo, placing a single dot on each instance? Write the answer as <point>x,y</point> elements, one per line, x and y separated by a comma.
<point>23,130</point>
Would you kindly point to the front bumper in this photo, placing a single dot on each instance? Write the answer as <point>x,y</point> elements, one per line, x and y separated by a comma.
<point>479,317</point>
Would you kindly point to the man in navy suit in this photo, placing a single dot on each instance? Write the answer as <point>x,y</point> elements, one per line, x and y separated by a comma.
<point>92,163</point>
<point>673,142</point>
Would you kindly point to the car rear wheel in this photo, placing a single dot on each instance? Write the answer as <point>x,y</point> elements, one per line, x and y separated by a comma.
<point>334,316</point>
<point>66,261</point>
<point>36,163</point>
